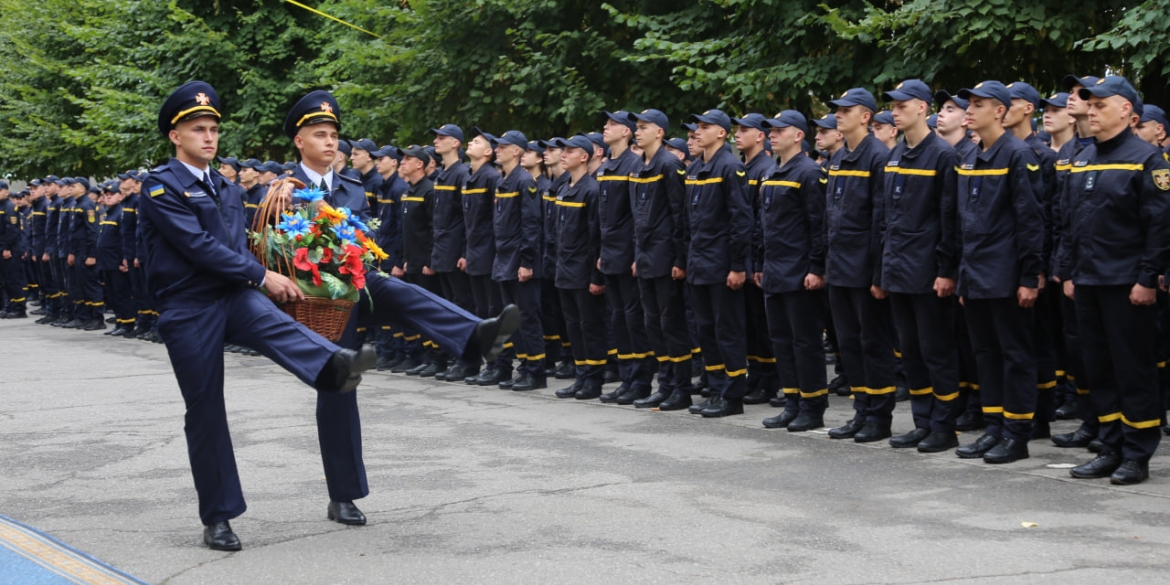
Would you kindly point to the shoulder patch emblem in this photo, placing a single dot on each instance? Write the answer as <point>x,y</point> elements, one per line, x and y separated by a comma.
<point>157,191</point>
<point>89,214</point>
<point>1161,179</point>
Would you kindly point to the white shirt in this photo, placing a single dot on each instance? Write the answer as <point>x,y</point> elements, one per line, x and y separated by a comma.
<point>315,177</point>
<point>198,172</point>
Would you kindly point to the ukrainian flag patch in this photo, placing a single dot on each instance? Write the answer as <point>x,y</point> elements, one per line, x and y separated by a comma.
<point>156,191</point>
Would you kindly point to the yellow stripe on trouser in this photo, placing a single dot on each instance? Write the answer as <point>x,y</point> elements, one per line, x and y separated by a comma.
<point>821,392</point>
<point>791,390</point>
<point>880,391</point>
<point>947,397</point>
<point>922,392</point>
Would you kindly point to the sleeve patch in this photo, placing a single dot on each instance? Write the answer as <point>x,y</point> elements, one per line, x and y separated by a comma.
<point>157,191</point>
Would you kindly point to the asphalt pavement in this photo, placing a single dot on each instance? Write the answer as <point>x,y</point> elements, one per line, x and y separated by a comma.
<point>481,485</point>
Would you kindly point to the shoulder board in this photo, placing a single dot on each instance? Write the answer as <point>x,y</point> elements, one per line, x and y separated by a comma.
<point>347,178</point>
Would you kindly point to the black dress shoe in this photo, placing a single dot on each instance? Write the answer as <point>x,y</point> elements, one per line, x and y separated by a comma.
<point>805,422</point>
<point>872,431</point>
<point>1096,446</point>
<point>778,401</point>
<point>846,431</point>
<point>901,393</point>
<point>1131,472</point>
<point>588,392</point>
<point>1078,439</point>
<point>346,513</point>
<point>1103,465</point>
<point>970,421</point>
<point>610,377</point>
<point>93,325</point>
<point>407,363</point>
<point>653,400</point>
<point>494,333</point>
<point>568,391</point>
<point>1041,430</point>
<point>343,372</point>
<point>490,376</point>
<point>566,371</point>
<point>697,408</point>
<point>1068,410</point>
<point>418,369</point>
<point>219,536</point>
<point>16,315</point>
<point>760,396</point>
<point>609,397</point>
<point>43,320</point>
<point>530,382</point>
<point>386,363</point>
<point>507,383</point>
<point>75,324</point>
<point>430,371</point>
<point>1007,451</point>
<point>781,420</point>
<point>910,439</point>
<point>629,396</point>
<point>725,407</point>
<point>977,449</point>
<point>679,399</point>
<point>40,311</point>
<point>938,442</point>
<point>115,331</point>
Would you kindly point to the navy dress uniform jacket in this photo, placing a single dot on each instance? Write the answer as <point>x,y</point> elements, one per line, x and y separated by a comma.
<point>853,203</point>
<point>517,226</point>
<point>720,218</point>
<point>1120,189</point>
<point>791,221</point>
<point>450,239</point>
<point>1001,223</point>
<point>919,221</point>
<point>662,231</point>
<point>345,191</point>
<point>479,193</point>
<point>578,235</point>
<point>617,222</point>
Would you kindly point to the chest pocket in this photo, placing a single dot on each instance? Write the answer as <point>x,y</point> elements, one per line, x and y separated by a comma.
<point>973,189</point>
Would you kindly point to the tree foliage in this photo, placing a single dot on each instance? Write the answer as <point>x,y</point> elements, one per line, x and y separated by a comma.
<point>81,80</point>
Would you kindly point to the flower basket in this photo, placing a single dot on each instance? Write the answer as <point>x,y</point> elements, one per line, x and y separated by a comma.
<point>324,249</point>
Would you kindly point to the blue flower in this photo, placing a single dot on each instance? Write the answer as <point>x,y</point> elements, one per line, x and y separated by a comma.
<point>309,194</point>
<point>354,221</point>
<point>347,235</point>
<point>294,225</point>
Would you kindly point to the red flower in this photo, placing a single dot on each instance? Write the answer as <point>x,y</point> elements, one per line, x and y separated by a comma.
<point>301,261</point>
<point>351,264</point>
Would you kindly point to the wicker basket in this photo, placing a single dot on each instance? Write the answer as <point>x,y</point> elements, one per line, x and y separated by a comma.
<point>327,317</point>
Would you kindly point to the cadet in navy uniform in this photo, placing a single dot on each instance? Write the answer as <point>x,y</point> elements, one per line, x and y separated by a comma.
<point>627,321</point>
<point>855,195</point>
<point>11,251</point>
<point>751,139</point>
<point>720,218</point>
<point>578,279</point>
<point>56,284</point>
<point>449,239</point>
<point>556,337</point>
<point>128,232</point>
<point>417,246</point>
<point>1002,233</point>
<point>363,163</point>
<point>83,247</point>
<point>205,280</point>
<point>65,215</point>
<point>790,270</point>
<point>1120,191</point>
<point>114,273</point>
<point>919,266</point>
<point>479,194</point>
<point>39,205</point>
<point>388,342</point>
<point>661,240</point>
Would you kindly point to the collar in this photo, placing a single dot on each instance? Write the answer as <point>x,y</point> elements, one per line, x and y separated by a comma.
<point>1114,142</point>
<point>990,153</point>
<point>315,177</point>
<point>196,171</point>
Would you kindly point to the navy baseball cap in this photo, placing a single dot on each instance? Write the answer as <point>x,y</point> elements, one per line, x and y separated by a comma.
<point>1112,85</point>
<point>34,183</point>
<point>932,121</point>
<point>652,116</point>
<point>288,166</point>
<point>514,137</point>
<point>52,179</point>
<point>3,184</point>
<point>1056,100</point>
<point>1071,81</point>
<point>942,96</point>
<point>1023,91</point>
<point>193,99</point>
<point>989,90</point>
<point>449,130</point>
<point>691,127</point>
<point>550,143</point>
<point>230,161</point>
<point>788,118</point>
<point>911,89</point>
<point>345,146</point>
<point>271,167</point>
<point>752,120</point>
<point>415,151</point>
<point>315,108</point>
<point>855,97</point>
<point>827,121</point>
<point>1155,114</point>
<point>884,117</point>
<point>81,181</point>
<point>716,117</point>
<point>251,163</point>
<point>534,145</point>
<point>365,144</point>
<point>678,144</point>
<point>577,141</point>
<point>491,138</point>
<point>621,117</point>
<point>386,150</point>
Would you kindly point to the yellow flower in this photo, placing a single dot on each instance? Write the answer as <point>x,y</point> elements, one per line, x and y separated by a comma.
<point>378,253</point>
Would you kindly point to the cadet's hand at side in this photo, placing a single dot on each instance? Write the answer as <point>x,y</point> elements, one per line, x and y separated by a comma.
<point>944,287</point>
<point>1026,296</point>
<point>735,280</point>
<point>1141,295</point>
<point>282,288</point>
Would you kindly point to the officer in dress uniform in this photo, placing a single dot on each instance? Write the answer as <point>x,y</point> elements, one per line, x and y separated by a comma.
<point>919,265</point>
<point>720,216</point>
<point>205,280</point>
<point>790,269</point>
<point>578,278</point>
<point>860,316</point>
<point>661,240</point>
<point>1120,191</point>
<point>627,322</point>
<point>1002,233</point>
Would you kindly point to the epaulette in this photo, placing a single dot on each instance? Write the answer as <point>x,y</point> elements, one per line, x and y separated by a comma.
<point>348,179</point>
